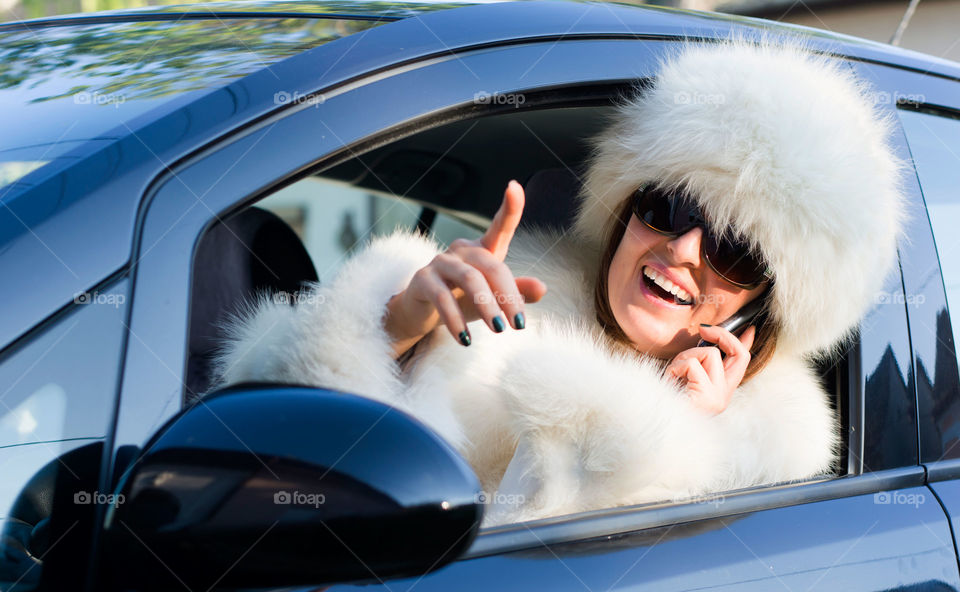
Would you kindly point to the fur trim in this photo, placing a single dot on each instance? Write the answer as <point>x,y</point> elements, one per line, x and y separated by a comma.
<point>598,429</point>
<point>567,268</point>
<point>333,336</point>
<point>601,429</point>
<point>779,145</point>
<point>780,427</point>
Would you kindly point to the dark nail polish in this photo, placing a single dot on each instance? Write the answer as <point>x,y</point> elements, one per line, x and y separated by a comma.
<point>705,325</point>
<point>498,325</point>
<point>464,338</point>
<point>519,321</point>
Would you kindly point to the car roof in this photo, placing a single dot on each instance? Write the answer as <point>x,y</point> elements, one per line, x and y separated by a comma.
<point>60,67</point>
<point>145,63</point>
<point>346,9</point>
<point>110,100</point>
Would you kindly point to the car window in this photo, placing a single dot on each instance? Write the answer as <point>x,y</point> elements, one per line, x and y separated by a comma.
<point>934,140</point>
<point>458,170</point>
<point>334,219</point>
<point>60,384</point>
<point>56,404</point>
<point>935,146</point>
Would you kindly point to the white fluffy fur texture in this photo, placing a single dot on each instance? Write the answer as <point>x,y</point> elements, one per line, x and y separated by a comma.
<point>604,430</point>
<point>783,146</point>
<point>595,428</point>
<point>269,340</point>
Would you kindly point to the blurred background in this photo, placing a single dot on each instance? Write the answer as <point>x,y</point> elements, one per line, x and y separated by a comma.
<point>934,26</point>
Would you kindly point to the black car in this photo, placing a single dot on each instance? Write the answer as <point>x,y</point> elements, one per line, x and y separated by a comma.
<point>159,166</point>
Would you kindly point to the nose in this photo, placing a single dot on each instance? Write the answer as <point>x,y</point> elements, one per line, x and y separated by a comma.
<point>685,249</point>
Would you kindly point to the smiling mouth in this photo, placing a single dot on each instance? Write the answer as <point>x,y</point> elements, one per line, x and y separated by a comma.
<point>675,295</point>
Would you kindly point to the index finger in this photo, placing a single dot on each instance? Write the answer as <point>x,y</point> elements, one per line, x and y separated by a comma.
<point>497,238</point>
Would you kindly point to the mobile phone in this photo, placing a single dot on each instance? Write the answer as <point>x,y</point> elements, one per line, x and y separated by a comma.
<point>740,320</point>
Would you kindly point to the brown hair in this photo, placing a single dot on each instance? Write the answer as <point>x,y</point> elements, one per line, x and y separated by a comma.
<point>764,343</point>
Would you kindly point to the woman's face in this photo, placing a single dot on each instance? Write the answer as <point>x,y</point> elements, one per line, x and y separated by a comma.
<point>656,326</point>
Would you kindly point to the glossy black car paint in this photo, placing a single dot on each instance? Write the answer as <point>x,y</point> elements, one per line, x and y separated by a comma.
<point>879,527</point>
<point>338,487</point>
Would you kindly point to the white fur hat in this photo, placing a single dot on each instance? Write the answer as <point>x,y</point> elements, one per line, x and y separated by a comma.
<point>780,145</point>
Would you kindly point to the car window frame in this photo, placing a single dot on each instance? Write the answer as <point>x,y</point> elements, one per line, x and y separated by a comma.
<point>547,91</point>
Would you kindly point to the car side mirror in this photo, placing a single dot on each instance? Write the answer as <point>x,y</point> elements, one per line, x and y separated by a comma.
<point>265,485</point>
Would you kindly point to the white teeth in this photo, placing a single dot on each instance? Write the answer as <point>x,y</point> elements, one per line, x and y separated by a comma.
<point>667,285</point>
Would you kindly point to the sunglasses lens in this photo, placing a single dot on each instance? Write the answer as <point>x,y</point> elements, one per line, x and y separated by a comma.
<point>733,260</point>
<point>664,211</point>
<point>654,209</point>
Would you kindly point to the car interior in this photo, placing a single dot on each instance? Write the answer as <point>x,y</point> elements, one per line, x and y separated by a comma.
<point>456,170</point>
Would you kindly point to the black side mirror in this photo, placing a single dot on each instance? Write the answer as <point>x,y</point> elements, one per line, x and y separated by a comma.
<point>266,485</point>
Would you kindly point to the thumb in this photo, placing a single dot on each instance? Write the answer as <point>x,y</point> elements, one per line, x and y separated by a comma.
<point>531,288</point>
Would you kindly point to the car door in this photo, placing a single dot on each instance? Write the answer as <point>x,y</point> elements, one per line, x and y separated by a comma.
<point>879,528</point>
<point>874,528</point>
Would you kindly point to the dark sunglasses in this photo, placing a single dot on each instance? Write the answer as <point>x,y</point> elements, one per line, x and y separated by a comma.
<point>673,214</point>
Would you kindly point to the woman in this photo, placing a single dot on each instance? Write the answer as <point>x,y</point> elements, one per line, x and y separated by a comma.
<point>745,172</point>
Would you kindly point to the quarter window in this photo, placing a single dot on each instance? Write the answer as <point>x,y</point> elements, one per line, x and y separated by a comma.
<point>935,147</point>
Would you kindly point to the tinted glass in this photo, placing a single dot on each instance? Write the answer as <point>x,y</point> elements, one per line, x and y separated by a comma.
<point>934,141</point>
<point>60,385</point>
<point>56,404</point>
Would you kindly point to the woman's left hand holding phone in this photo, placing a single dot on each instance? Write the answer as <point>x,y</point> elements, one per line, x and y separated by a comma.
<point>710,380</point>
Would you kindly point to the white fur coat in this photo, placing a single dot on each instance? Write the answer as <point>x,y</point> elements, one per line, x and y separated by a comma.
<point>551,418</point>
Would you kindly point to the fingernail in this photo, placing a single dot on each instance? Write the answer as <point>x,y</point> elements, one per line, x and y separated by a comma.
<point>498,324</point>
<point>464,337</point>
<point>519,321</point>
<point>705,325</point>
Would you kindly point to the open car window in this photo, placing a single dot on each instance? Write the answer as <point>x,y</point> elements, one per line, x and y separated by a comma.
<point>448,181</point>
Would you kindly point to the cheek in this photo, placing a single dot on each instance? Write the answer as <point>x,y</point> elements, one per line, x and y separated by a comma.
<point>637,241</point>
<point>634,244</point>
<point>726,301</point>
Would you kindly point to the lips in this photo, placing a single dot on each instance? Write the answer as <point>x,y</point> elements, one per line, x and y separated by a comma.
<point>661,287</point>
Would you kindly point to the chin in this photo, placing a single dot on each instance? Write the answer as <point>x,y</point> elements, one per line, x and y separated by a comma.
<point>645,331</point>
